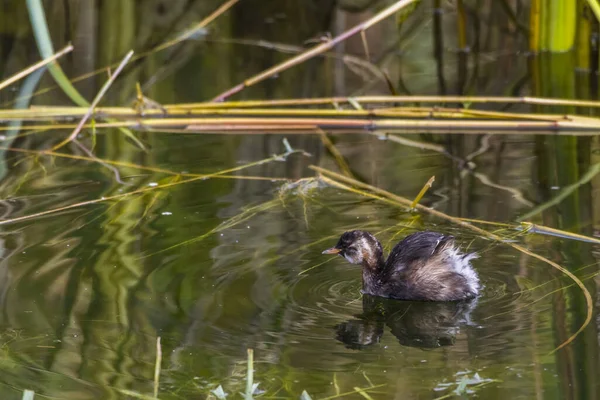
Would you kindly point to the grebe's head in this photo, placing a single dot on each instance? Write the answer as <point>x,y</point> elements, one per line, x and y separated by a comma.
<point>358,247</point>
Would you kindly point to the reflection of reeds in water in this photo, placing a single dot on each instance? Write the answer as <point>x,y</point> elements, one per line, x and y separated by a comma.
<point>276,239</point>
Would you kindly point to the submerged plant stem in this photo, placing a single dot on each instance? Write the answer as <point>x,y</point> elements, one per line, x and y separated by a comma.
<point>140,191</point>
<point>97,99</point>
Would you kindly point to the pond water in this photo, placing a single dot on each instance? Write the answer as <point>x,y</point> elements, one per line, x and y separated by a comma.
<point>232,261</point>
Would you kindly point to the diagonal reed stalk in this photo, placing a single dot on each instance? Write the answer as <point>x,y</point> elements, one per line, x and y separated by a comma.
<point>323,47</point>
<point>595,6</point>
<point>355,391</point>
<point>564,193</point>
<point>424,190</point>
<point>341,182</point>
<point>144,190</point>
<point>97,99</point>
<point>194,29</point>
<point>22,74</point>
<point>339,158</point>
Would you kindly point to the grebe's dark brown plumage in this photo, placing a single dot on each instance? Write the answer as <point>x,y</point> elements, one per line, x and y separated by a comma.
<point>423,266</point>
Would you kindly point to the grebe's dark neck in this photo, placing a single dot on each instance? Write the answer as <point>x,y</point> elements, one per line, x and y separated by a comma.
<point>373,265</point>
<point>373,260</point>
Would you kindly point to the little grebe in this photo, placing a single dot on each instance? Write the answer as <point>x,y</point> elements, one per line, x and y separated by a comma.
<point>423,266</point>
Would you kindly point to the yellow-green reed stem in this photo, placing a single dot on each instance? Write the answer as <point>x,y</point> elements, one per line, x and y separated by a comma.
<point>595,6</point>
<point>544,230</point>
<point>37,17</point>
<point>424,190</point>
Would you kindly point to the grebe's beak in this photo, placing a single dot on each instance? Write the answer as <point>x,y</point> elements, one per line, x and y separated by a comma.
<point>333,250</point>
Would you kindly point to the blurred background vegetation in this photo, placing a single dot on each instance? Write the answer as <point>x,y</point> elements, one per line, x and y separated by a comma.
<point>85,293</point>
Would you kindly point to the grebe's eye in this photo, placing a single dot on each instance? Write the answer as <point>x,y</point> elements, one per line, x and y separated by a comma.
<point>351,249</point>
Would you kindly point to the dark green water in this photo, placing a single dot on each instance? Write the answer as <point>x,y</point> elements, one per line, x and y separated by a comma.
<point>220,265</point>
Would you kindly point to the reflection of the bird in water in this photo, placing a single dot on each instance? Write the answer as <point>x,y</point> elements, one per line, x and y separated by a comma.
<point>414,323</point>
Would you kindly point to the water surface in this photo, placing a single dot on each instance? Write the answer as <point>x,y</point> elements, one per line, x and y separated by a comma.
<point>218,265</point>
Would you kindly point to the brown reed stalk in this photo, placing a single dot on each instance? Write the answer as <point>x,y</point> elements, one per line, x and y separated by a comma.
<point>307,55</point>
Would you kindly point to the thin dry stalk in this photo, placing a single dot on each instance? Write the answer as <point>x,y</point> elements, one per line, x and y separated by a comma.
<point>143,190</point>
<point>231,222</point>
<point>96,159</point>
<point>314,51</point>
<point>365,43</point>
<point>126,164</point>
<point>335,179</point>
<point>202,24</point>
<point>157,365</point>
<point>341,395</point>
<point>99,96</point>
<point>250,375</point>
<point>545,230</point>
<point>362,393</point>
<point>413,143</point>
<point>424,190</point>
<point>34,67</point>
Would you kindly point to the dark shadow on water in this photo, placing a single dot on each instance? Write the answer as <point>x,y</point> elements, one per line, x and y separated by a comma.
<point>424,325</point>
